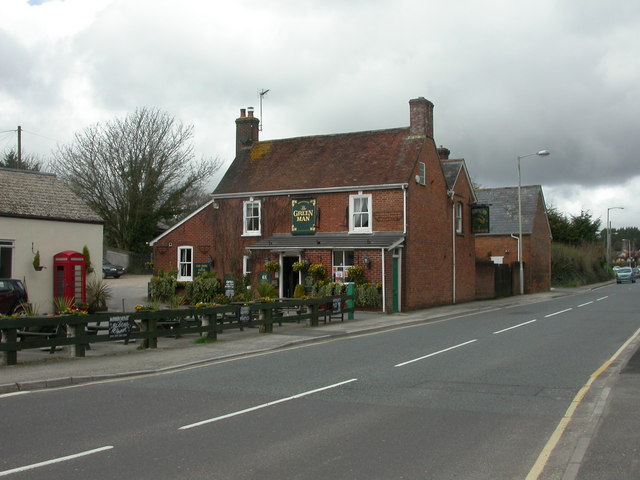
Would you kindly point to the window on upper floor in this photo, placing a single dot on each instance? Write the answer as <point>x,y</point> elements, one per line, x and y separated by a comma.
<point>251,217</point>
<point>185,264</point>
<point>421,178</point>
<point>458,217</point>
<point>360,213</point>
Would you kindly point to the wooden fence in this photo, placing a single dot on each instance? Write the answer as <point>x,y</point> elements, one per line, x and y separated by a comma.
<point>80,331</point>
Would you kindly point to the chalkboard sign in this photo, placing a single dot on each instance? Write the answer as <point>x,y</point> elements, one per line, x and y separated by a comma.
<point>229,285</point>
<point>245,314</point>
<point>337,305</point>
<point>119,327</point>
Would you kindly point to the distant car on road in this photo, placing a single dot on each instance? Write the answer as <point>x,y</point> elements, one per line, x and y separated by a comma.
<point>625,274</point>
<point>636,272</point>
<point>12,296</point>
<point>111,270</point>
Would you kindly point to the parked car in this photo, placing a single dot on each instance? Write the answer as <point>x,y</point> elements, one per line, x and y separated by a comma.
<point>12,296</point>
<point>636,272</point>
<point>111,270</point>
<point>625,274</point>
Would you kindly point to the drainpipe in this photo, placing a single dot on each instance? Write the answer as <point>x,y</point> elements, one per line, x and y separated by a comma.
<point>384,284</point>
<point>404,199</point>
<point>451,194</point>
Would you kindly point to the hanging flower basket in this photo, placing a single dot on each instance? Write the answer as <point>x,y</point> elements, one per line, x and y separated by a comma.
<point>272,267</point>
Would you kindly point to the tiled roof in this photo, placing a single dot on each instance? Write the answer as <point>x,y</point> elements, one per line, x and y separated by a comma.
<point>503,208</point>
<point>380,157</point>
<point>287,241</point>
<point>41,195</point>
<point>451,170</point>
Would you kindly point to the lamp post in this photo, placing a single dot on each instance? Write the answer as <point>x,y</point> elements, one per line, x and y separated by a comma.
<point>609,235</point>
<point>541,153</point>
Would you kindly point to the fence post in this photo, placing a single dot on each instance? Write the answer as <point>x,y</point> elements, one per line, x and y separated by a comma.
<point>207,320</point>
<point>73,331</point>
<point>149,325</point>
<point>314,314</point>
<point>9,335</point>
<point>267,319</point>
<point>351,291</point>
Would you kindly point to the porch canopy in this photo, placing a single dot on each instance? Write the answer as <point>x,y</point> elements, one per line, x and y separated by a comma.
<point>333,241</point>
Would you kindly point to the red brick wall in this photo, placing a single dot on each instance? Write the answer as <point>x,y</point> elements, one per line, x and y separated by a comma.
<point>427,261</point>
<point>539,254</point>
<point>197,233</point>
<point>536,253</point>
<point>465,244</point>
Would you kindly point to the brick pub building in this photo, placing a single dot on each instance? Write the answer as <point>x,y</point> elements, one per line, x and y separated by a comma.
<point>384,200</point>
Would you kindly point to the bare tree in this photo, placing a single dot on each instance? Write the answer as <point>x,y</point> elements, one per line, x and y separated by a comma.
<point>134,172</point>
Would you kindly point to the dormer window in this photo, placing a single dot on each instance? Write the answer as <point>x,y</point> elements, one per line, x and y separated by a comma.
<point>251,218</point>
<point>360,213</point>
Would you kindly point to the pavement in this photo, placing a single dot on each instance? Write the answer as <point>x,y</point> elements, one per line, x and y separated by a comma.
<point>601,440</point>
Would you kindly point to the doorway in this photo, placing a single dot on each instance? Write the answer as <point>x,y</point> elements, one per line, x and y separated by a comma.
<point>289,278</point>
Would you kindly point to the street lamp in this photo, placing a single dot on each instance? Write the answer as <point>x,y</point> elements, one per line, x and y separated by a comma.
<point>541,153</point>
<point>609,234</point>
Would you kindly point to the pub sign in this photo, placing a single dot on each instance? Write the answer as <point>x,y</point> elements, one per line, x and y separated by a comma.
<point>303,216</point>
<point>480,218</point>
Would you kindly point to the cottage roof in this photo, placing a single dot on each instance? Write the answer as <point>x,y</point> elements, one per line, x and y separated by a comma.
<point>381,157</point>
<point>39,195</point>
<point>287,241</point>
<point>503,208</point>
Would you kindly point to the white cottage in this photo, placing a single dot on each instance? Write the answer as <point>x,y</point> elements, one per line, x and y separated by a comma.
<point>40,214</point>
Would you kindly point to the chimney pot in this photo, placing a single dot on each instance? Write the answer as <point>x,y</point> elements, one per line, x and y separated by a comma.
<point>243,113</point>
<point>250,111</point>
<point>443,153</point>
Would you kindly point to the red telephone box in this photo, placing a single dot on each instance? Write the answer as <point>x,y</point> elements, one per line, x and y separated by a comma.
<point>70,276</point>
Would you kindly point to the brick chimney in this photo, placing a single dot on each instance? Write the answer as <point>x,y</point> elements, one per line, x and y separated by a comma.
<point>421,117</point>
<point>443,153</point>
<point>246,129</point>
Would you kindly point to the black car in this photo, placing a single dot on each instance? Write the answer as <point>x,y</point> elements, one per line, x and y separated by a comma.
<point>111,270</point>
<point>12,296</point>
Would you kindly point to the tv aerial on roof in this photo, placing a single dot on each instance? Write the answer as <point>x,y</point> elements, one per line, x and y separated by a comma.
<point>263,92</point>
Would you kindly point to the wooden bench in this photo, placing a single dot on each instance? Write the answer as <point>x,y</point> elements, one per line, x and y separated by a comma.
<point>48,333</point>
<point>332,310</point>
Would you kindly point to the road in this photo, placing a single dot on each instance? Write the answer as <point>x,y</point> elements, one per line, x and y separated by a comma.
<point>475,397</point>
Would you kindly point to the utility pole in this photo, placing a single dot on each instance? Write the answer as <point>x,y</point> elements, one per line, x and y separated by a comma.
<point>19,147</point>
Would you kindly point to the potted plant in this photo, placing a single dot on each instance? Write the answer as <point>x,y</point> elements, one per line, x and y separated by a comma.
<point>98,293</point>
<point>87,259</point>
<point>63,305</point>
<point>36,261</point>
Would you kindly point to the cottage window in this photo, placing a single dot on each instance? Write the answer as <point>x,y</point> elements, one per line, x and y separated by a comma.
<point>251,218</point>
<point>459,217</point>
<point>185,264</point>
<point>360,213</point>
<point>342,260</point>
<point>6,258</point>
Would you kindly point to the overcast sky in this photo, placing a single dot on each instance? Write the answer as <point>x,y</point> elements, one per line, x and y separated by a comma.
<point>507,78</point>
